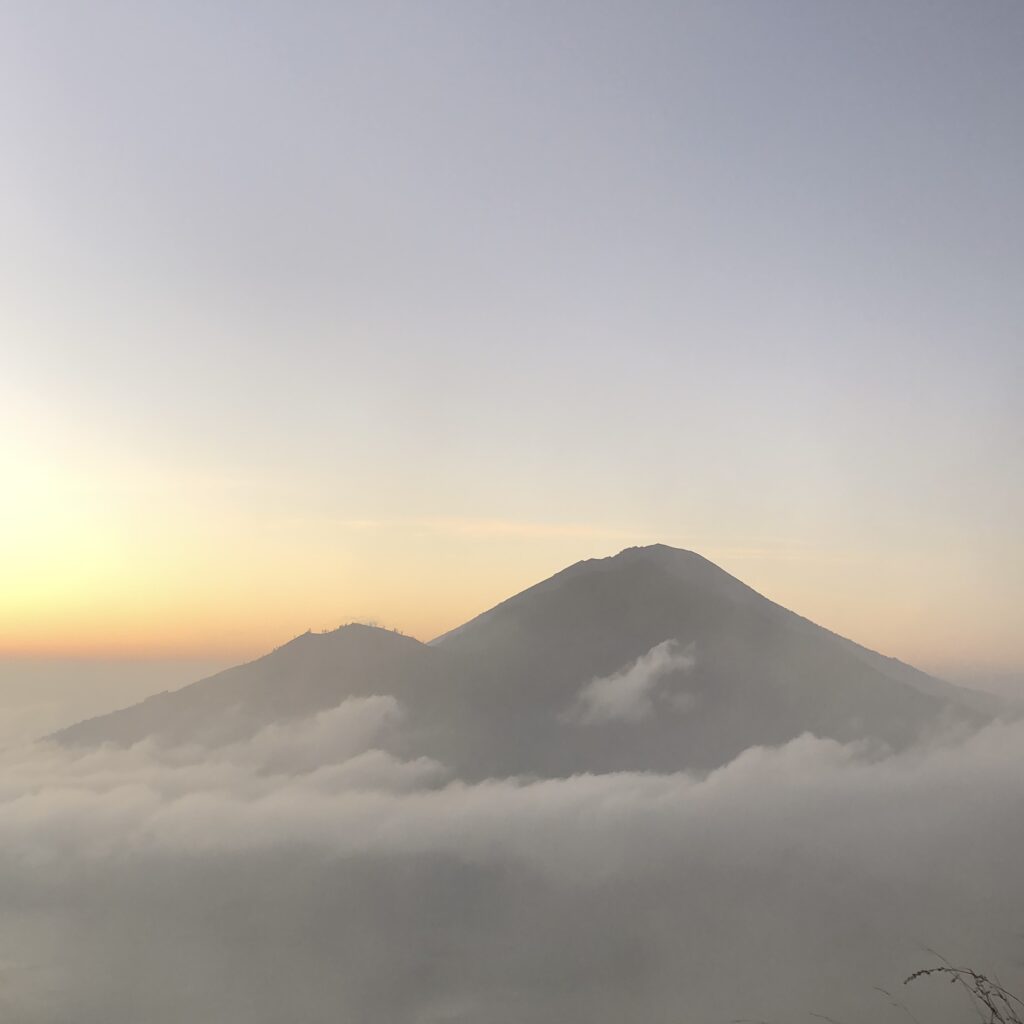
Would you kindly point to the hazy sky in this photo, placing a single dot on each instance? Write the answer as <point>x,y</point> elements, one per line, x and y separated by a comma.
<point>319,311</point>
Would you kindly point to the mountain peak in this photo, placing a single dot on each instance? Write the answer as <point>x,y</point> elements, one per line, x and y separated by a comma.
<point>658,549</point>
<point>652,554</point>
<point>660,560</point>
<point>647,565</point>
<point>660,553</point>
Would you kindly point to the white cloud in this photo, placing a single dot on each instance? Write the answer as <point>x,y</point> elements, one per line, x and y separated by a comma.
<point>628,695</point>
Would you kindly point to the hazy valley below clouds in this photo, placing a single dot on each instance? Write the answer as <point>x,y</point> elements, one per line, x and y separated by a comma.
<point>308,874</point>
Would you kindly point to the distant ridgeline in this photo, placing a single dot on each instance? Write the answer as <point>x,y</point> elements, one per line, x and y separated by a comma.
<point>654,659</point>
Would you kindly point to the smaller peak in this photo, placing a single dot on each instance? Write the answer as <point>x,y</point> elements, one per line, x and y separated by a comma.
<point>350,630</point>
<point>356,629</point>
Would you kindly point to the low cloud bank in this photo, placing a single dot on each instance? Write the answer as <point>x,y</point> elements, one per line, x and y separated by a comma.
<point>310,875</point>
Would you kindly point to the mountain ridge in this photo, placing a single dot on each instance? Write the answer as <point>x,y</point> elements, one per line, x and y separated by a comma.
<point>500,694</point>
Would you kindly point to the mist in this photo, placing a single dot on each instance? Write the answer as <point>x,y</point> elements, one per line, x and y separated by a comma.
<point>40,694</point>
<point>308,874</point>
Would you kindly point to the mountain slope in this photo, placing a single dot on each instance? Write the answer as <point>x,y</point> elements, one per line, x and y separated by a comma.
<point>311,673</point>
<point>760,673</point>
<point>654,659</point>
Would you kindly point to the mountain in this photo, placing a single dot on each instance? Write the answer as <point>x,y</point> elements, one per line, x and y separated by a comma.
<point>311,673</point>
<point>760,674</point>
<point>653,659</point>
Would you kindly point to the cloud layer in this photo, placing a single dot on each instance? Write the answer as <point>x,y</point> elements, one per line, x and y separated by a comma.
<point>310,875</point>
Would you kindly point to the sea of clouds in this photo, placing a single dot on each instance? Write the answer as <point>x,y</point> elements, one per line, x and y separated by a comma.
<point>310,875</point>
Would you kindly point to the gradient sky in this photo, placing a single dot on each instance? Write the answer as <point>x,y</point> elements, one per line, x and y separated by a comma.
<point>321,311</point>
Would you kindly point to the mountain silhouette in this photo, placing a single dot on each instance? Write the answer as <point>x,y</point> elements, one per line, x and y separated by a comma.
<point>653,659</point>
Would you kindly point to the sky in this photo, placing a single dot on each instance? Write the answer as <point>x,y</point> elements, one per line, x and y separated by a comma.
<point>319,312</point>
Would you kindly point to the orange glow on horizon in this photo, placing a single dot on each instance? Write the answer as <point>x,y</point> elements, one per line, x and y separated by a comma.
<point>113,559</point>
<point>244,610</point>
